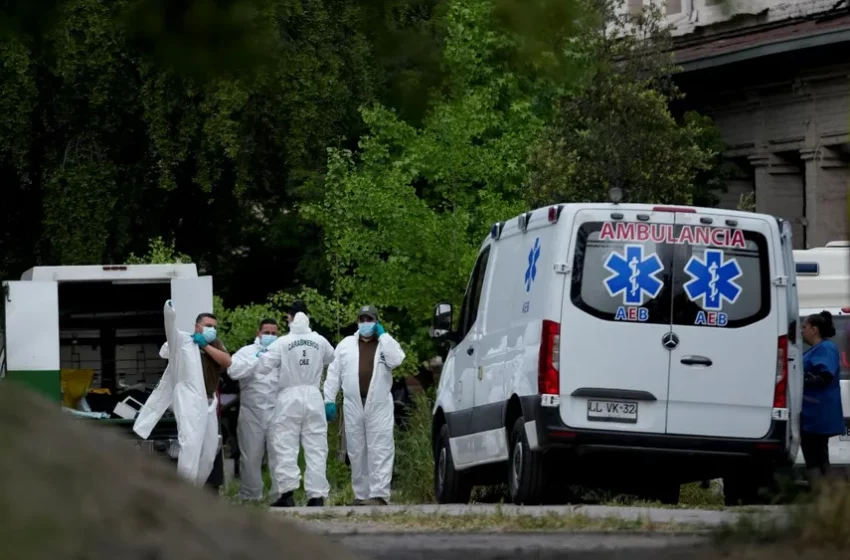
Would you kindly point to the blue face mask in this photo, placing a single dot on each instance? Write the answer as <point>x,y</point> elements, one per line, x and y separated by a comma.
<point>209,334</point>
<point>267,339</point>
<point>366,329</point>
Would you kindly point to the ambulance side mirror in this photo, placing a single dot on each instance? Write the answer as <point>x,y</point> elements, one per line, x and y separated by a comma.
<point>441,324</point>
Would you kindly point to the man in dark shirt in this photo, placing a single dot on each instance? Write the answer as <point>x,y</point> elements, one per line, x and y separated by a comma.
<point>367,346</point>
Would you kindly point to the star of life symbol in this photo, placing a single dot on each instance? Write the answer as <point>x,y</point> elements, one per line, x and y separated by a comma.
<point>713,280</point>
<point>633,275</point>
<point>531,271</point>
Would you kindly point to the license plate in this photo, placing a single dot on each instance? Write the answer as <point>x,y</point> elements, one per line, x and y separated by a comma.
<point>612,411</point>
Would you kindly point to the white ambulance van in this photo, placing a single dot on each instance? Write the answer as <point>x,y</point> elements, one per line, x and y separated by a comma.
<point>106,320</point>
<point>823,283</point>
<point>625,346</point>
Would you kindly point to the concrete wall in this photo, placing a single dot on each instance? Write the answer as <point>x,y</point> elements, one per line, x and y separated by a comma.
<point>786,120</point>
<point>791,139</point>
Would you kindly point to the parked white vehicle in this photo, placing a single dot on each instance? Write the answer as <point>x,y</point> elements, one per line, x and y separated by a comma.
<point>823,283</point>
<point>107,319</point>
<point>622,345</point>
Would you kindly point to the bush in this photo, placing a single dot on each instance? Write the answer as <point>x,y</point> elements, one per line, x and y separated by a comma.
<point>413,480</point>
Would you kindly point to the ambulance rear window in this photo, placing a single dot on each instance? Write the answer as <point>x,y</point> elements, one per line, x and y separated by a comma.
<point>723,286</point>
<point>605,286</point>
<point>665,273</point>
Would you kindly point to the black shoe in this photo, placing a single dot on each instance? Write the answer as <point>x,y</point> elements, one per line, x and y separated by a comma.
<point>376,502</point>
<point>358,502</point>
<point>286,500</point>
<point>316,502</point>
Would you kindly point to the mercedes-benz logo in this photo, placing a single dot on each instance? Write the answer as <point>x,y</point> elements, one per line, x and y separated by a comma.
<point>670,340</point>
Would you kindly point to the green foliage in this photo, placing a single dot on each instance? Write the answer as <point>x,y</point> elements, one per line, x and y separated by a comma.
<point>159,252</point>
<point>238,326</point>
<point>203,120</point>
<point>209,122</point>
<point>414,463</point>
<point>614,128</point>
<point>404,217</point>
<point>747,202</point>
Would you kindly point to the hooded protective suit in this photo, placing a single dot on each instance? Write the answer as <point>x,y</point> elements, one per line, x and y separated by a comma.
<point>182,389</point>
<point>299,416</point>
<point>369,427</point>
<point>257,398</point>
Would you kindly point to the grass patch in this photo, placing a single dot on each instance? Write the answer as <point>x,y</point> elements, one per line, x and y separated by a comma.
<point>820,520</point>
<point>500,522</point>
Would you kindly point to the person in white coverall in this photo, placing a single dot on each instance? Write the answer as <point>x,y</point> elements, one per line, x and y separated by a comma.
<point>195,362</point>
<point>299,417</point>
<point>257,398</point>
<point>363,365</point>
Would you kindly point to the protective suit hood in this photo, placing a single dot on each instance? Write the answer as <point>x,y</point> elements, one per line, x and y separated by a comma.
<point>300,324</point>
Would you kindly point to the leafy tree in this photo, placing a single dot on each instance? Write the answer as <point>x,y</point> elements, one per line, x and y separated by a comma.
<point>615,127</point>
<point>159,252</point>
<point>206,120</point>
<point>403,218</point>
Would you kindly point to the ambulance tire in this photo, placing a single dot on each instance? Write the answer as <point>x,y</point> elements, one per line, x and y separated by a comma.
<point>526,468</point>
<point>450,486</point>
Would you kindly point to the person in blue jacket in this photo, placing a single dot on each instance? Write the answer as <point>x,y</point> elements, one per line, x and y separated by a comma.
<point>822,416</point>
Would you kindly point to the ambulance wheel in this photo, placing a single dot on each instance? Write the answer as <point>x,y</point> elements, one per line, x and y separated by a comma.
<point>450,486</point>
<point>526,468</point>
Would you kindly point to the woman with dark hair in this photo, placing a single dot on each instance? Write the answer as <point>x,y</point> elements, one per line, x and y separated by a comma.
<point>822,416</point>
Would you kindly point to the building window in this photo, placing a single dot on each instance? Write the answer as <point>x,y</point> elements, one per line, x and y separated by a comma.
<point>674,7</point>
<point>635,6</point>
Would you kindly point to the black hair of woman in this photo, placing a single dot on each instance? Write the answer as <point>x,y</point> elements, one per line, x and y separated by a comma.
<point>823,323</point>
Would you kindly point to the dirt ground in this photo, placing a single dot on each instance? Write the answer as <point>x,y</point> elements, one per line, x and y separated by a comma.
<point>73,490</point>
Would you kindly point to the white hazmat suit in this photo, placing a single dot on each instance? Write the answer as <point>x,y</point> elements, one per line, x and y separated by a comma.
<point>257,398</point>
<point>299,416</point>
<point>369,427</point>
<point>182,389</point>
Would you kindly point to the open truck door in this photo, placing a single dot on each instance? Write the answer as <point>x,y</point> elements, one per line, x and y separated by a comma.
<point>191,297</point>
<point>32,336</point>
<point>795,343</point>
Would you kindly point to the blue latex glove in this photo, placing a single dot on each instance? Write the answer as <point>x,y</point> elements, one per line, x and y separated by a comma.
<point>263,351</point>
<point>379,330</point>
<point>198,339</point>
<point>330,411</point>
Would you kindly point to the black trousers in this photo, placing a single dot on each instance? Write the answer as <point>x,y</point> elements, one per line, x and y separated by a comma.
<point>815,449</point>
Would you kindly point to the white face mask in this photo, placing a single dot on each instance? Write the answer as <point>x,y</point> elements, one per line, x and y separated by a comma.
<point>209,334</point>
<point>366,329</point>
